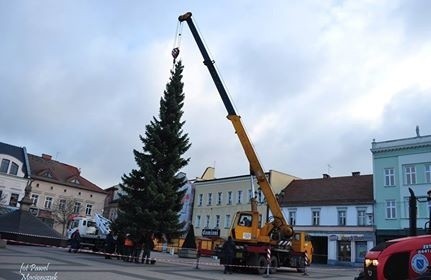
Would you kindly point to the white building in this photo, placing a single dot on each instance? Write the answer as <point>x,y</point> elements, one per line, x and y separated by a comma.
<point>337,213</point>
<point>14,174</point>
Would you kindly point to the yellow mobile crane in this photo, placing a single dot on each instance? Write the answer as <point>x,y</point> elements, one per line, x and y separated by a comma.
<point>286,248</point>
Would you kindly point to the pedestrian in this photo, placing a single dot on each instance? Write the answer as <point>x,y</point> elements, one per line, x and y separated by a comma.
<point>109,245</point>
<point>75,241</point>
<point>138,248</point>
<point>148,247</point>
<point>228,252</point>
<point>128,248</point>
<point>119,250</point>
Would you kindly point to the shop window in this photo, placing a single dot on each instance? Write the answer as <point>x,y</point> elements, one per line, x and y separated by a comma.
<point>344,251</point>
<point>361,250</point>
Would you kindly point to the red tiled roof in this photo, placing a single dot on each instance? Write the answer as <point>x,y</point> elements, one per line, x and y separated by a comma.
<point>329,191</point>
<point>61,173</point>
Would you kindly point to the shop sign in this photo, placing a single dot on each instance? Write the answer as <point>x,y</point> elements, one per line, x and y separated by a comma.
<point>333,237</point>
<point>211,232</point>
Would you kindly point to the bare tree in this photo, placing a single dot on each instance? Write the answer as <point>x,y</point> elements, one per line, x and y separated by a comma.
<point>62,211</point>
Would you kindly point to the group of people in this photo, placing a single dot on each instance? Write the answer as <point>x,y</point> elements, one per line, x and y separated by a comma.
<point>129,248</point>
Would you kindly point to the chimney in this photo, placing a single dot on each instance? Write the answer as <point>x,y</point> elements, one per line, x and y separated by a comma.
<point>47,157</point>
<point>326,176</point>
<point>356,173</point>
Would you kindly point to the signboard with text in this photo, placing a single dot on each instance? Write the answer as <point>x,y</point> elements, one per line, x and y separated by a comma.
<point>211,232</point>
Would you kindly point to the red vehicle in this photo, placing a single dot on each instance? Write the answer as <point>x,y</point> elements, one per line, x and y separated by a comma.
<point>402,258</point>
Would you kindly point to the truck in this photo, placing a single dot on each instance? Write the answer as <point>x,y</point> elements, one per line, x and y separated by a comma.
<point>275,244</point>
<point>93,230</point>
<point>401,258</point>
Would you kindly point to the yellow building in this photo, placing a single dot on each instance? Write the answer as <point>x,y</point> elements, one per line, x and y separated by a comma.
<point>216,201</point>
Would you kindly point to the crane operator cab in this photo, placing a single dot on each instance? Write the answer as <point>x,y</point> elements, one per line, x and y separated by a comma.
<point>245,220</point>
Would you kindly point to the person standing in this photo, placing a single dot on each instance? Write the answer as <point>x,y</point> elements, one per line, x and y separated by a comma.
<point>128,248</point>
<point>148,247</point>
<point>109,245</point>
<point>75,241</point>
<point>229,252</point>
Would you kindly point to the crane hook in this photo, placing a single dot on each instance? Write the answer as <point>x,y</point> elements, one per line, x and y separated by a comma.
<point>175,53</point>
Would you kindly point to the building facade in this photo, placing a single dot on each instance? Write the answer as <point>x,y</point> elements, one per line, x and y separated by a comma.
<point>57,186</point>
<point>216,201</point>
<point>400,165</point>
<point>14,174</point>
<point>337,213</point>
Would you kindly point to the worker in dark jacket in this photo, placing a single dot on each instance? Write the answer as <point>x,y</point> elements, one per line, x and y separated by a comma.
<point>228,252</point>
<point>148,247</point>
<point>75,241</point>
<point>109,245</point>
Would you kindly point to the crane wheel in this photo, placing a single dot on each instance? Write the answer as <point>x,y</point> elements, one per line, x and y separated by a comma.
<point>262,264</point>
<point>273,265</point>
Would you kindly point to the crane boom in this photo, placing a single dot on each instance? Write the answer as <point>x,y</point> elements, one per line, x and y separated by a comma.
<point>240,131</point>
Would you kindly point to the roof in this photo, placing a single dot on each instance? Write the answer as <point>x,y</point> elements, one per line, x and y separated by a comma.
<point>346,190</point>
<point>16,152</point>
<point>23,222</point>
<point>46,169</point>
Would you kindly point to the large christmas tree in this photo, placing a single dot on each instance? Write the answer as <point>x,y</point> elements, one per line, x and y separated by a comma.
<point>152,197</point>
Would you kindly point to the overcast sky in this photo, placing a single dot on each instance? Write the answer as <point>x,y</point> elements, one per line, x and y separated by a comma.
<point>314,81</point>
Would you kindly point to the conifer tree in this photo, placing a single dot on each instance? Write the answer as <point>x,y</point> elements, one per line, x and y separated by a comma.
<point>151,198</point>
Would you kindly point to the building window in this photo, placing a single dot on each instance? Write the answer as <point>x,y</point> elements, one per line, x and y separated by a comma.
<point>315,217</point>
<point>201,196</point>
<point>362,218</point>
<point>4,165</point>
<point>389,177</point>
<point>229,198</point>
<point>344,251</point>
<point>210,198</point>
<point>260,196</point>
<point>34,199</point>
<point>48,202</point>
<point>239,197</point>
<point>219,198</point>
<point>13,199</point>
<point>13,169</point>
<point>62,204</point>
<point>292,218</point>
<point>217,225</point>
<point>410,175</point>
<point>428,173</point>
<point>227,221</point>
<point>341,217</point>
<point>207,222</point>
<point>88,209</point>
<point>390,209</point>
<point>198,221</point>
<point>250,195</point>
<point>76,207</point>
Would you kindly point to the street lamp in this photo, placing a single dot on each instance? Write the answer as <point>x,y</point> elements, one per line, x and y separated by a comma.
<point>429,211</point>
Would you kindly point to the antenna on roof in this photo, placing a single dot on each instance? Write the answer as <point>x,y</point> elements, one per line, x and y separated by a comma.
<point>417,131</point>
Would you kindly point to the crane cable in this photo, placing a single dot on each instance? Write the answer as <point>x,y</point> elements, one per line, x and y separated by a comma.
<point>177,42</point>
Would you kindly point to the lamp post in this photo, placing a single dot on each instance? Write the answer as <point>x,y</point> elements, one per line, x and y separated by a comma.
<point>429,211</point>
